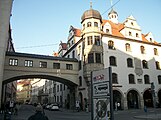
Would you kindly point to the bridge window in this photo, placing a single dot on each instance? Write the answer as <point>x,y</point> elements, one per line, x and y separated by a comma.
<point>56,65</point>
<point>28,63</point>
<point>43,64</point>
<point>69,66</point>
<point>13,62</point>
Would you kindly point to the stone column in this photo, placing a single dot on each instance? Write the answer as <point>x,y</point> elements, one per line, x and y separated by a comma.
<point>5,12</point>
<point>125,102</point>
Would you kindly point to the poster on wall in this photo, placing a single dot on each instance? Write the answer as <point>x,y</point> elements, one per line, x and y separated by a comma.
<point>101,95</point>
<point>101,109</point>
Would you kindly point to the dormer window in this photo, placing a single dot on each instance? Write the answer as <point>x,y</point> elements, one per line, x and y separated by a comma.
<point>130,34</point>
<point>132,23</point>
<point>107,30</point>
<point>137,35</point>
<point>150,39</point>
<point>89,24</point>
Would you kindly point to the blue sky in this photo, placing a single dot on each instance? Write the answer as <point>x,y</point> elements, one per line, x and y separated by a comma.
<point>38,26</point>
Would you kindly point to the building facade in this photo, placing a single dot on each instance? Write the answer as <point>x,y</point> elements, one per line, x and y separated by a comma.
<point>134,57</point>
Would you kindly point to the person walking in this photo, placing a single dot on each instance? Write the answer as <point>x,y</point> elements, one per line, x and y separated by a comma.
<point>39,115</point>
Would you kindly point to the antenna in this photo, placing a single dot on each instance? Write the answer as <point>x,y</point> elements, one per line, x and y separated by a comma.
<point>91,4</point>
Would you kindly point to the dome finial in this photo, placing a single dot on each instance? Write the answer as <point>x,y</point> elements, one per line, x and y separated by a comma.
<point>91,4</point>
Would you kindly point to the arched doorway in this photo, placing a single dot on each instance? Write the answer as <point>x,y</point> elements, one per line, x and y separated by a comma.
<point>148,100</point>
<point>80,98</point>
<point>132,99</point>
<point>159,98</point>
<point>117,99</point>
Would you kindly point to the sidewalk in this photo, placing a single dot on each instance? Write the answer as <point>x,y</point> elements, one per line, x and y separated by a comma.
<point>149,117</point>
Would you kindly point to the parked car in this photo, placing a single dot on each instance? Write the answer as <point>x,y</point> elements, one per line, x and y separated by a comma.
<point>54,107</point>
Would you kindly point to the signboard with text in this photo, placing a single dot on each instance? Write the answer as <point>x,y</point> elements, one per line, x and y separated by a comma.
<point>101,94</point>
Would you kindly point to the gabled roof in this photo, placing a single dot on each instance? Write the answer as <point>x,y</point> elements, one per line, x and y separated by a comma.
<point>116,28</point>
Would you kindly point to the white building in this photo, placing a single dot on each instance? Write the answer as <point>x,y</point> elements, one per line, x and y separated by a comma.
<point>134,57</point>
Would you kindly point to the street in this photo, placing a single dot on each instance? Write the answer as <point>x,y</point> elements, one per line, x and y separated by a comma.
<point>27,110</point>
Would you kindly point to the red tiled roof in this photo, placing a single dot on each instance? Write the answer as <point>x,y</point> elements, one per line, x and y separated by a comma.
<point>77,32</point>
<point>116,28</point>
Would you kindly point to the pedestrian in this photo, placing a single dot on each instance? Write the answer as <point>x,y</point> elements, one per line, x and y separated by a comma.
<point>77,106</point>
<point>39,114</point>
<point>115,106</point>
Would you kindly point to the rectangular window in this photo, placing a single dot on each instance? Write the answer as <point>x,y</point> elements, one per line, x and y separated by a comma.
<point>98,58</point>
<point>61,87</point>
<point>80,65</point>
<point>13,62</point>
<point>90,40</point>
<point>56,65</point>
<point>28,63</point>
<point>97,40</point>
<point>69,66</point>
<point>43,64</point>
<point>90,58</point>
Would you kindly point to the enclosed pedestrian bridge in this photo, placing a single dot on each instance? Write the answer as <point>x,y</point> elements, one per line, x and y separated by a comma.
<point>23,66</point>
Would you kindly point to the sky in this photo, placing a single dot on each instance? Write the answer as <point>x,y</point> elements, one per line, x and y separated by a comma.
<point>38,26</point>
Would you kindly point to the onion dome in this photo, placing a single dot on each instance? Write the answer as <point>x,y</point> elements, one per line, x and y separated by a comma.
<point>91,13</point>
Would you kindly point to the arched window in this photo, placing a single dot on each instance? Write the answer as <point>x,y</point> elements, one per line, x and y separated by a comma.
<point>159,79</point>
<point>146,79</point>
<point>155,51</point>
<point>89,24</point>
<point>142,49</point>
<point>127,47</point>
<point>112,61</point>
<point>137,35</point>
<point>111,45</point>
<point>80,81</point>
<point>130,34</point>
<point>114,78</point>
<point>131,79</point>
<point>95,24</point>
<point>129,62</point>
<point>157,65</point>
<point>145,64</point>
